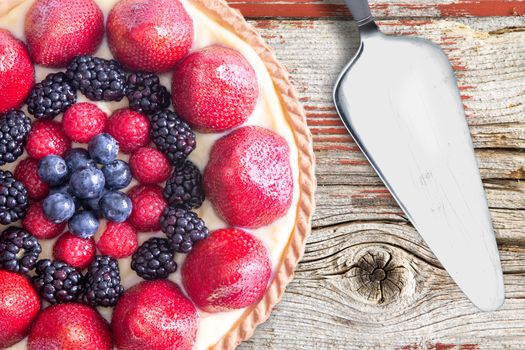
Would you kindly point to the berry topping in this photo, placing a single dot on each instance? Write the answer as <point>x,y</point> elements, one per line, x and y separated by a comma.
<point>83,121</point>
<point>14,130</point>
<point>83,224</point>
<point>51,96</point>
<point>172,136</point>
<point>77,158</point>
<point>27,173</point>
<point>53,170</point>
<point>154,259</point>
<point>135,321</point>
<point>214,89</point>
<point>57,282</point>
<point>129,128</point>
<point>115,206</point>
<point>74,251</point>
<point>102,282</point>
<point>117,174</point>
<point>58,31</point>
<point>184,187</point>
<point>119,240</point>
<point>146,94</point>
<point>47,137</point>
<point>59,207</point>
<point>183,228</point>
<point>103,148</point>
<point>36,223</point>
<point>19,307</point>
<point>13,198</point>
<point>19,250</point>
<point>149,166</point>
<point>87,183</point>
<point>148,206</point>
<point>149,35</point>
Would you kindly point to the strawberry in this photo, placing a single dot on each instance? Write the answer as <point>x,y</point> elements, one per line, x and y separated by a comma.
<point>149,166</point>
<point>148,205</point>
<point>214,89</point>
<point>154,315</point>
<point>82,121</point>
<point>149,35</point>
<point>129,128</point>
<point>228,270</point>
<point>19,305</point>
<point>39,225</point>
<point>27,172</point>
<point>248,178</point>
<point>74,251</point>
<point>17,74</point>
<point>69,327</point>
<point>119,240</point>
<point>57,31</point>
<point>47,137</point>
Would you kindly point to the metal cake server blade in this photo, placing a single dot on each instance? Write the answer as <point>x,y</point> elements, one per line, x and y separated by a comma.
<point>398,98</point>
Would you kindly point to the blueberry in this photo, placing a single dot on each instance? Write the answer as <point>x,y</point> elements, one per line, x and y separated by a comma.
<point>59,207</point>
<point>87,183</point>
<point>84,224</point>
<point>52,169</point>
<point>94,204</point>
<point>66,189</point>
<point>117,173</point>
<point>116,206</point>
<point>77,158</point>
<point>103,148</point>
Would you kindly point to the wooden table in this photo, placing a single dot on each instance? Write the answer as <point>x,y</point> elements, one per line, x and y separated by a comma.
<point>367,279</point>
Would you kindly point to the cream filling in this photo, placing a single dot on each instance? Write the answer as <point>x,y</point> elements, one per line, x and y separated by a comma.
<point>268,113</point>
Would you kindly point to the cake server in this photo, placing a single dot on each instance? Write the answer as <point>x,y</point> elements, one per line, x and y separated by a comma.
<point>399,100</point>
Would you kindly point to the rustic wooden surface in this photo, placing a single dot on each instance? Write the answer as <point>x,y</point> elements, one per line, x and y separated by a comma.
<point>367,279</point>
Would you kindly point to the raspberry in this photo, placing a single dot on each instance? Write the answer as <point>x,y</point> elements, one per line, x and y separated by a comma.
<point>83,121</point>
<point>39,225</point>
<point>74,251</point>
<point>47,137</point>
<point>148,206</point>
<point>119,240</point>
<point>27,173</point>
<point>129,128</point>
<point>149,166</point>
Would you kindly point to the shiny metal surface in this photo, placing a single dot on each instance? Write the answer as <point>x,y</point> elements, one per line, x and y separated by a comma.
<point>399,100</point>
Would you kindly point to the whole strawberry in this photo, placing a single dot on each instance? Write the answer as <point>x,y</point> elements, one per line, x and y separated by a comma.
<point>214,89</point>
<point>149,166</point>
<point>57,31</point>
<point>148,206</point>
<point>45,138</point>
<point>70,327</point>
<point>82,121</point>
<point>149,35</point>
<point>36,223</point>
<point>248,178</point>
<point>19,305</point>
<point>74,251</point>
<point>27,173</point>
<point>228,270</point>
<point>135,321</point>
<point>119,240</point>
<point>129,128</point>
<point>17,74</point>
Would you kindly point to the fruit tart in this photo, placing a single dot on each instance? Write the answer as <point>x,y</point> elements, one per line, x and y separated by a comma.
<point>156,175</point>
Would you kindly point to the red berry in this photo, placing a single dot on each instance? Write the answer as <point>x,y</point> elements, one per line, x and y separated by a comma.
<point>82,121</point>
<point>228,270</point>
<point>248,178</point>
<point>149,35</point>
<point>69,327</point>
<point>47,137</point>
<point>75,251</point>
<point>148,205</point>
<point>149,166</point>
<point>214,89</point>
<point>17,74</point>
<point>154,315</point>
<point>27,172</point>
<point>129,128</point>
<point>57,31</point>
<point>36,223</point>
<point>19,305</point>
<point>119,240</point>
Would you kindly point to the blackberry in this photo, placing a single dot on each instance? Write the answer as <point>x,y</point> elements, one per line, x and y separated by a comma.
<point>146,94</point>
<point>98,79</point>
<point>14,128</point>
<point>172,136</point>
<point>51,96</point>
<point>19,250</point>
<point>184,187</point>
<point>57,282</point>
<point>102,282</point>
<point>13,198</point>
<point>154,259</point>
<point>183,227</point>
